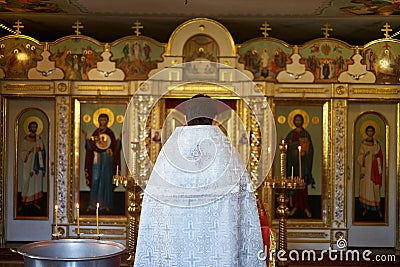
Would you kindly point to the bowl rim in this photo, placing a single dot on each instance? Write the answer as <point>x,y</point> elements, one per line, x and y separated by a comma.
<point>24,250</point>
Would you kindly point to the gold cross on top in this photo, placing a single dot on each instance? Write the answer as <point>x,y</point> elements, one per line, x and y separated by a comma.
<point>137,26</point>
<point>18,25</point>
<point>326,29</point>
<point>265,28</point>
<point>77,27</point>
<point>386,28</point>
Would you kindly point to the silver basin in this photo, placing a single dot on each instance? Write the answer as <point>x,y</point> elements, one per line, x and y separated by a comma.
<point>72,253</point>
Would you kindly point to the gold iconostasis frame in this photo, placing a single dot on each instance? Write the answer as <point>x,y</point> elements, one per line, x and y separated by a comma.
<point>328,101</point>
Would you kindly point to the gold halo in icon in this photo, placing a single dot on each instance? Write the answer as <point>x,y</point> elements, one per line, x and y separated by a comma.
<point>367,123</point>
<point>107,111</point>
<point>37,120</point>
<point>302,112</point>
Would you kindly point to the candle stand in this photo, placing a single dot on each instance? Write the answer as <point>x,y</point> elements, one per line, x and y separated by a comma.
<point>134,195</point>
<point>282,187</point>
<point>56,236</point>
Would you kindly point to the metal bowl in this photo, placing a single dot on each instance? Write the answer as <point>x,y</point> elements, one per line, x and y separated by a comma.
<point>72,253</point>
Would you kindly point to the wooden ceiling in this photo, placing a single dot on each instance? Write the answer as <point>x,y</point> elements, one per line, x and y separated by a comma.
<point>356,22</point>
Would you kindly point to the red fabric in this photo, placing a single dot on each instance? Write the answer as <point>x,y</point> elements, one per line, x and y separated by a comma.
<point>262,213</point>
<point>300,199</point>
<point>376,177</point>
<point>265,230</point>
<point>263,219</point>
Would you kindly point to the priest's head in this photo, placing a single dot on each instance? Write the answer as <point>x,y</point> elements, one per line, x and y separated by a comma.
<point>200,110</point>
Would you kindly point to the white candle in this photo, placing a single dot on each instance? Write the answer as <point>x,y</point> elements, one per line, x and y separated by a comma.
<point>117,170</point>
<point>55,215</point>
<point>299,147</point>
<point>97,218</point>
<point>292,171</point>
<point>77,218</point>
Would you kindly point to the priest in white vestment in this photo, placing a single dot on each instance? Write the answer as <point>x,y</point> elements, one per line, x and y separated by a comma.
<point>199,206</point>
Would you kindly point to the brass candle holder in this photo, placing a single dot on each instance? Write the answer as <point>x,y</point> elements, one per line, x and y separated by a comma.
<point>282,187</point>
<point>134,195</point>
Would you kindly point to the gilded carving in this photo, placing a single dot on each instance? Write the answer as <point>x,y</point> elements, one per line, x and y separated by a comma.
<point>340,90</point>
<point>62,87</point>
<point>316,235</point>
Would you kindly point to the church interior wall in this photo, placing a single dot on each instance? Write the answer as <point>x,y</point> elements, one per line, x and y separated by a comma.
<point>73,79</point>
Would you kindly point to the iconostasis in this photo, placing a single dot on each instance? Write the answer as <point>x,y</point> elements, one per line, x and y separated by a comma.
<point>67,86</point>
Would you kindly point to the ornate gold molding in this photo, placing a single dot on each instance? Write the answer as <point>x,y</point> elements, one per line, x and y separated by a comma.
<point>318,235</point>
<point>105,231</point>
<point>94,87</point>
<point>302,90</point>
<point>384,91</point>
<point>192,89</point>
<point>27,87</point>
<point>341,89</point>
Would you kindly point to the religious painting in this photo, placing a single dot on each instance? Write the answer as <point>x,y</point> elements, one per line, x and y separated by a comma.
<point>382,58</point>
<point>19,55</point>
<point>98,137</point>
<point>32,174</point>
<point>265,58</point>
<point>76,56</point>
<point>156,136</point>
<point>201,48</point>
<point>244,138</point>
<point>204,49</point>
<point>383,8</point>
<point>326,59</point>
<point>370,170</point>
<point>301,127</point>
<point>37,6</point>
<point>137,56</point>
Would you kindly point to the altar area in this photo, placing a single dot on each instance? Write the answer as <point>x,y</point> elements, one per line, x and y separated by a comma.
<point>65,86</point>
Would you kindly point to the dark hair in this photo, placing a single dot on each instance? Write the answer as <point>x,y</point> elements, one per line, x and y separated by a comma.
<point>298,115</point>
<point>370,127</point>
<point>104,115</point>
<point>200,110</point>
<point>31,123</point>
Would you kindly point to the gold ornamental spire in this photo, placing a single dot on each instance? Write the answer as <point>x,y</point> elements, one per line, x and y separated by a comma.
<point>107,47</point>
<point>18,25</point>
<point>295,49</point>
<point>386,29</point>
<point>265,28</point>
<point>326,29</point>
<point>137,26</point>
<point>78,25</point>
